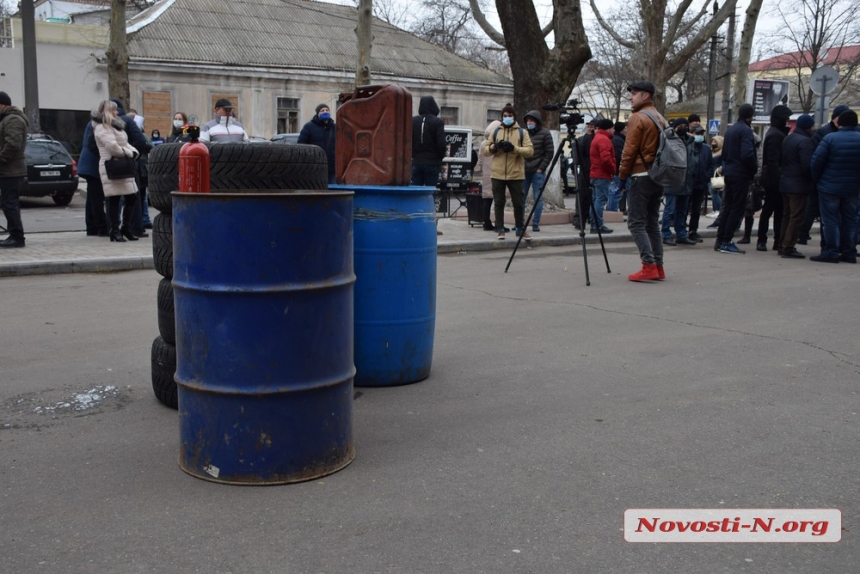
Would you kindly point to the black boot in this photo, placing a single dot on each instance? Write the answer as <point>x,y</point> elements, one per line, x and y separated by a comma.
<point>748,223</point>
<point>113,217</point>
<point>488,212</point>
<point>127,215</point>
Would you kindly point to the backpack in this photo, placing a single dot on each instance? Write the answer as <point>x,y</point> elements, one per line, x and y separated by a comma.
<point>670,164</point>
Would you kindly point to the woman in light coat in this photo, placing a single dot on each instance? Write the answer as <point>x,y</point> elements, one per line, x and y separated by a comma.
<point>112,141</point>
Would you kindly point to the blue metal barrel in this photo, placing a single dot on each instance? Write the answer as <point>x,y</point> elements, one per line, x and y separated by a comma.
<point>263,292</point>
<point>395,288</point>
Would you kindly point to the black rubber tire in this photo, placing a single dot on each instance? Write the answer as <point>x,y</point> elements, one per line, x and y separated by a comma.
<point>262,166</point>
<point>240,166</point>
<point>63,199</point>
<point>166,314</point>
<point>163,169</point>
<point>162,245</point>
<point>163,369</point>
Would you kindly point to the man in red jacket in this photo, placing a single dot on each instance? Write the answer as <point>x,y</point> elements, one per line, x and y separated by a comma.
<point>602,156</point>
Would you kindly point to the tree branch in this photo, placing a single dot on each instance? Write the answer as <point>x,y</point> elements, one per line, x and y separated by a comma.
<point>488,29</point>
<point>615,36</point>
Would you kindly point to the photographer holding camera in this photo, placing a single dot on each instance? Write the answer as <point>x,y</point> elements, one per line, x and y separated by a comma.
<point>509,145</point>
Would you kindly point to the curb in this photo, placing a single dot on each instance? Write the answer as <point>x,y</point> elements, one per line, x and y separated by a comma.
<point>99,265</point>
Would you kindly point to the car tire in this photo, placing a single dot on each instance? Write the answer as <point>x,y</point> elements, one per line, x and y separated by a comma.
<point>240,166</point>
<point>162,245</point>
<point>166,314</point>
<point>163,370</point>
<point>63,199</point>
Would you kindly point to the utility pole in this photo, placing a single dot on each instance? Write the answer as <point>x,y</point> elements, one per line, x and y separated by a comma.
<point>712,71</point>
<point>726,111</point>
<point>364,33</point>
<point>31,77</point>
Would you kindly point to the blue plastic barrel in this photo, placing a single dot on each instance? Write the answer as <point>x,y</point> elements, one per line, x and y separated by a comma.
<point>263,292</point>
<point>395,288</point>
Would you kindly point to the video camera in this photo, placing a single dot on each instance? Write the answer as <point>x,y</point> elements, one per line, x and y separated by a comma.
<point>570,115</point>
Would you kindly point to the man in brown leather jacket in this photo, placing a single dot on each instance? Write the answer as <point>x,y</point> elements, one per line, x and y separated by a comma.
<point>13,168</point>
<point>643,197</point>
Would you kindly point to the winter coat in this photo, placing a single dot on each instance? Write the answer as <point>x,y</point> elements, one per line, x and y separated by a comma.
<point>487,163</point>
<point>739,152</point>
<point>321,133</point>
<point>135,136</point>
<point>177,136</point>
<point>428,134</point>
<point>618,144</point>
<point>583,145</point>
<point>819,134</point>
<point>704,168</point>
<point>643,137</point>
<point>509,166</point>
<point>835,167</point>
<point>223,129</point>
<point>770,157</point>
<point>544,148</point>
<point>692,163</point>
<point>602,156</point>
<point>13,139</point>
<point>112,141</point>
<point>88,162</point>
<point>795,163</point>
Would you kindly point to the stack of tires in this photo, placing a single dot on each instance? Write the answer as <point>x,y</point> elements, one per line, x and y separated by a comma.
<point>233,166</point>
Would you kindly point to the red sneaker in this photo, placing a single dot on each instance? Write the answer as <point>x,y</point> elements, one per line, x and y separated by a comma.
<point>660,273</point>
<point>647,273</point>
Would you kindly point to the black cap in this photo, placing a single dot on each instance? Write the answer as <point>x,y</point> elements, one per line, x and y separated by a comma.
<point>745,112</point>
<point>694,118</point>
<point>619,126</point>
<point>5,100</point>
<point>642,86</point>
<point>223,103</point>
<point>837,111</point>
<point>680,122</point>
<point>699,129</point>
<point>605,124</point>
<point>592,122</point>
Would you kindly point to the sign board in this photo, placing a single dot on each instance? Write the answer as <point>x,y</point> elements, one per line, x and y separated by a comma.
<point>823,80</point>
<point>457,163</point>
<point>766,95</point>
<point>714,127</point>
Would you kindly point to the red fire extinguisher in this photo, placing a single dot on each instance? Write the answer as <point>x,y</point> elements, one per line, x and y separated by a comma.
<point>194,164</point>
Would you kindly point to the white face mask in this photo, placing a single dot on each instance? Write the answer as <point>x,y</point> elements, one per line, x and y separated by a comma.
<point>177,123</point>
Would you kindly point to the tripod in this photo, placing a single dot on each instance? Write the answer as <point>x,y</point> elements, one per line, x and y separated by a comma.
<point>581,184</point>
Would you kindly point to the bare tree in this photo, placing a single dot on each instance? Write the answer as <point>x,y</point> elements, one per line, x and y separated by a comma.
<point>117,53</point>
<point>670,38</point>
<point>613,69</point>
<point>446,23</point>
<point>390,11</point>
<point>818,32</point>
<point>744,53</point>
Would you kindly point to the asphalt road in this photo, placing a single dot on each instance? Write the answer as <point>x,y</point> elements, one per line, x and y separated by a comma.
<point>552,407</point>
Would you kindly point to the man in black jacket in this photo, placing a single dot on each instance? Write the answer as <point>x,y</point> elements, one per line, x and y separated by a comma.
<point>771,152</point>
<point>321,132</point>
<point>537,164</point>
<point>795,183</point>
<point>428,143</point>
<point>584,146</point>
<point>740,163</point>
<point>616,191</point>
<point>13,168</point>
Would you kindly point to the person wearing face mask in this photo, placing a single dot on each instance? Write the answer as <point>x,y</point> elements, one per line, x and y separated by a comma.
<point>224,128</point>
<point>740,163</point>
<point>538,163</point>
<point>180,120</point>
<point>771,152</point>
<point>156,138</point>
<point>703,169</point>
<point>677,198</point>
<point>510,145</point>
<point>320,131</point>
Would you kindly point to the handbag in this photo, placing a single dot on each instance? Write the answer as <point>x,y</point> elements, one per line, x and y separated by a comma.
<point>120,167</point>
<point>718,182</point>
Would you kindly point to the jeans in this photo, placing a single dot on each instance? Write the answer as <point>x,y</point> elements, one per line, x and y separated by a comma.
<point>144,204</point>
<point>696,201</point>
<point>516,189</point>
<point>676,216</point>
<point>534,181</point>
<point>838,225</point>
<point>614,194</point>
<point>734,204</point>
<point>10,188</point>
<point>425,174</point>
<point>643,212</point>
<point>599,198</point>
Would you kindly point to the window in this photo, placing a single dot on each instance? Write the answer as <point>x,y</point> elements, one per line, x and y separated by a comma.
<point>493,115</point>
<point>288,115</point>
<point>450,116</point>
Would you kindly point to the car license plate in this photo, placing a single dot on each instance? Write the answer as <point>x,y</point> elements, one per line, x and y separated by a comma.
<point>50,174</point>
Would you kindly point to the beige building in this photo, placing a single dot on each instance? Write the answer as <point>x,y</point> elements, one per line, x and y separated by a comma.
<point>274,59</point>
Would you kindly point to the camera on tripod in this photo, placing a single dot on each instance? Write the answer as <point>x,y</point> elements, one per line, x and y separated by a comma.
<point>569,116</point>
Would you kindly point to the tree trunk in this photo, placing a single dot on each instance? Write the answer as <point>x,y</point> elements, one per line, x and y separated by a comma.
<point>117,54</point>
<point>364,33</point>
<point>744,53</point>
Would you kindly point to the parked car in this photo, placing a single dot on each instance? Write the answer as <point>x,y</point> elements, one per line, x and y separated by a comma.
<point>257,140</point>
<point>289,139</point>
<point>50,170</point>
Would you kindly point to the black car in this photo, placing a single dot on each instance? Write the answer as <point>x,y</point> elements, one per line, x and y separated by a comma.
<point>50,170</point>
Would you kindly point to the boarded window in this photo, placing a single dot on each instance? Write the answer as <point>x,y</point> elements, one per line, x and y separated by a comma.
<point>493,115</point>
<point>288,115</point>
<point>450,116</point>
<point>157,112</point>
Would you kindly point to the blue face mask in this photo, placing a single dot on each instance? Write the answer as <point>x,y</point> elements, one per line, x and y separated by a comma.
<point>508,121</point>
<point>325,115</point>
<point>699,139</point>
<point>531,126</point>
